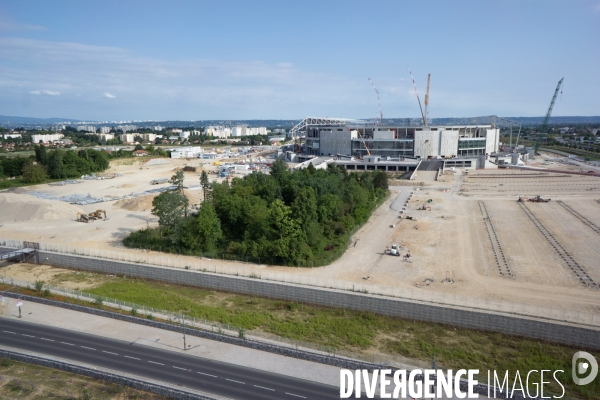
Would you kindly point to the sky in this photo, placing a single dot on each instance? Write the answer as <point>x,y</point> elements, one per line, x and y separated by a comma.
<point>194,60</point>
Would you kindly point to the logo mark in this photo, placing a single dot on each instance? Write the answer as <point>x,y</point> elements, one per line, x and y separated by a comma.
<point>580,368</point>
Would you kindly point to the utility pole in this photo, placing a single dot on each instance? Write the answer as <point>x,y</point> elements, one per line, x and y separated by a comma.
<point>183,318</point>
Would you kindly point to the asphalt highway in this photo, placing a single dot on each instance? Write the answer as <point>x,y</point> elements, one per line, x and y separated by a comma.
<point>209,376</point>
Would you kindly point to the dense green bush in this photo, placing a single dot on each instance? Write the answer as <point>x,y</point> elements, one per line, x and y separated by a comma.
<point>289,217</point>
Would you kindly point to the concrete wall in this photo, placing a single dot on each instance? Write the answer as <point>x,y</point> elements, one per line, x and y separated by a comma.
<point>584,338</point>
<point>336,141</point>
<point>448,143</point>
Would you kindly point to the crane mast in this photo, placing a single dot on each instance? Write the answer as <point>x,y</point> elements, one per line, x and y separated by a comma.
<point>417,93</point>
<point>547,119</point>
<point>426,119</point>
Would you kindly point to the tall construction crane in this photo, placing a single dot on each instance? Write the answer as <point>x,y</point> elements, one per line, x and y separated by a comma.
<point>536,146</point>
<point>378,102</point>
<point>417,93</point>
<point>427,100</point>
<point>547,119</point>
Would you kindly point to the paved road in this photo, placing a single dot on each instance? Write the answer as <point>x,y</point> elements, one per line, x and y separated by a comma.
<point>196,373</point>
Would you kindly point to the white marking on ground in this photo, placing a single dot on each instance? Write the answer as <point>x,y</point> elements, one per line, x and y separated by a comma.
<point>202,373</point>
<point>296,395</point>
<point>68,344</point>
<point>262,387</point>
<point>108,352</point>
<point>231,380</point>
<point>154,362</point>
<point>89,348</point>
<point>132,358</point>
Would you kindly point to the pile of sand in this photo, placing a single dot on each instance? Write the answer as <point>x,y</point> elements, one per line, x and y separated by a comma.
<point>140,203</point>
<point>25,208</point>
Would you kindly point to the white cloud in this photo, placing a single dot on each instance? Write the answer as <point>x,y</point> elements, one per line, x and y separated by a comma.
<point>109,96</point>
<point>46,92</point>
<point>6,24</point>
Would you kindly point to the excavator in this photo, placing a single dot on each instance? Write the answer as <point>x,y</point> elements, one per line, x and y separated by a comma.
<point>91,217</point>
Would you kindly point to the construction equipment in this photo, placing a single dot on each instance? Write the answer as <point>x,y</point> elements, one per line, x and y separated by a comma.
<point>394,250</point>
<point>538,199</point>
<point>544,128</point>
<point>418,98</point>
<point>83,218</point>
<point>426,119</point>
<point>363,141</point>
<point>378,102</point>
<point>425,208</point>
<point>97,214</point>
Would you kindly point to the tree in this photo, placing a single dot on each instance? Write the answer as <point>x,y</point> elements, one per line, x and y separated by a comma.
<point>381,180</point>
<point>178,181</point>
<point>56,167</point>
<point>170,208</point>
<point>205,184</point>
<point>204,231</point>
<point>34,174</point>
<point>41,155</point>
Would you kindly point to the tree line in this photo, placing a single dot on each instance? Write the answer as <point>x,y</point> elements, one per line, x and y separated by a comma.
<point>288,217</point>
<point>55,164</point>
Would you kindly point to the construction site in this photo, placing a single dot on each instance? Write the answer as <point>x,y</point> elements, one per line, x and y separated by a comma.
<point>526,234</point>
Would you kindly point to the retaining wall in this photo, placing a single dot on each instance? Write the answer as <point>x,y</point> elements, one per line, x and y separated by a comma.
<point>576,336</point>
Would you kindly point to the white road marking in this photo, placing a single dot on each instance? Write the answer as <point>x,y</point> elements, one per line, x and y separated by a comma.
<point>27,335</point>
<point>108,352</point>
<point>9,332</point>
<point>296,395</point>
<point>132,358</point>
<point>180,368</point>
<point>68,344</point>
<point>202,373</point>
<point>89,348</point>
<point>261,387</point>
<point>154,362</point>
<point>50,340</point>
<point>231,380</point>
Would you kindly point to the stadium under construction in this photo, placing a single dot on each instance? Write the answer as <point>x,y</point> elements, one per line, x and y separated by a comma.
<point>358,145</point>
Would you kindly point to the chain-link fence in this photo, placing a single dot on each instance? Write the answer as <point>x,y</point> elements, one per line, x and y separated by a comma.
<point>300,277</point>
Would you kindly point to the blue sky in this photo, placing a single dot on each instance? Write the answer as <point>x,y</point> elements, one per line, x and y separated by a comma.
<point>191,60</point>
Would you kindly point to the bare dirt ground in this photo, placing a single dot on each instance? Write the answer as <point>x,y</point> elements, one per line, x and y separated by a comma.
<point>450,241</point>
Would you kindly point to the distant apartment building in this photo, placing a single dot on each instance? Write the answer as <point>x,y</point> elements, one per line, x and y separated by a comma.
<point>12,136</point>
<point>107,136</point>
<point>46,138</point>
<point>127,137</point>
<point>86,128</point>
<point>218,131</point>
<point>127,128</point>
<point>158,128</point>
<point>255,131</point>
<point>184,134</point>
<point>176,131</point>
<point>149,137</point>
<point>104,129</point>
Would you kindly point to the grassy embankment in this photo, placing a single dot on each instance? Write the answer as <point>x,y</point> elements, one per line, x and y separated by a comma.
<point>349,330</point>
<point>28,382</point>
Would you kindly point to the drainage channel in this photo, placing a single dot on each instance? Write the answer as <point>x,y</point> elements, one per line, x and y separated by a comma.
<point>577,269</point>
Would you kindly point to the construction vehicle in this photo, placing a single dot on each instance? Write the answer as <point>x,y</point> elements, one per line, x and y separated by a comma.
<point>538,199</point>
<point>84,218</point>
<point>425,208</point>
<point>394,250</point>
<point>97,214</point>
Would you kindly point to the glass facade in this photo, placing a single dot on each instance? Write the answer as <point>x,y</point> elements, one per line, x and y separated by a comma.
<point>384,148</point>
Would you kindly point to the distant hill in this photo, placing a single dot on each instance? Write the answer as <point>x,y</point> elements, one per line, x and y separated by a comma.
<point>4,119</point>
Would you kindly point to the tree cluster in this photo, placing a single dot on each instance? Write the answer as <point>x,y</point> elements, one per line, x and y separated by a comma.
<point>287,216</point>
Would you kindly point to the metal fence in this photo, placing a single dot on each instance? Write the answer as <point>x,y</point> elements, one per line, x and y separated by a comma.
<point>296,276</point>
<point>215,326</point>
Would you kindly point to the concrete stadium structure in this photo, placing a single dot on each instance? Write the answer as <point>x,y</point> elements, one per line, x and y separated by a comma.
<point>349,138</point>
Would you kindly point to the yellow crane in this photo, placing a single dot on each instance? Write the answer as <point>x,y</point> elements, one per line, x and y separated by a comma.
<point>426,119</point>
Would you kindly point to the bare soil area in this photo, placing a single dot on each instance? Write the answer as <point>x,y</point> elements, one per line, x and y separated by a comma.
<point>451,252</point>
